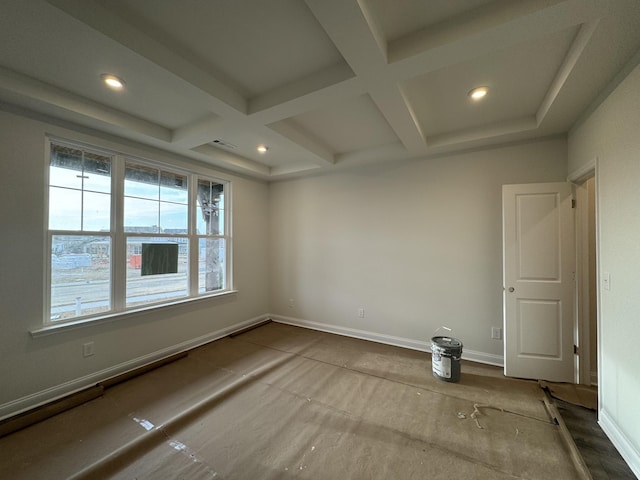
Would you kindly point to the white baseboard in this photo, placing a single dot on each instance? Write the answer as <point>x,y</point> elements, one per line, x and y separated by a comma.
<point>481,357</point>
<point>419,345</point>
<point>630,454</point>
<point>20,405</point>
<point>42,397</point>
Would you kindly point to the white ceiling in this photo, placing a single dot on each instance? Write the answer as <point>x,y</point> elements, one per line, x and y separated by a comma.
<point>323,83</point>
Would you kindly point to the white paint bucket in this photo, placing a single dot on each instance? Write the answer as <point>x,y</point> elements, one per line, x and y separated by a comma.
<point>445,358</point>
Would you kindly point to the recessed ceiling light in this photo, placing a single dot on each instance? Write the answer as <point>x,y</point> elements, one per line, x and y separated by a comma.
<point>478,93</point>
<point>112,81</point>
<point>262,148</point>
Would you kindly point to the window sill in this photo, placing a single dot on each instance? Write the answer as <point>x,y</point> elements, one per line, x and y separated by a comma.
<point>52,328</point>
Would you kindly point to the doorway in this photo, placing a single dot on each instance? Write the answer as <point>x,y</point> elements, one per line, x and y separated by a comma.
<point>587,292</point>
<point>580,356</point>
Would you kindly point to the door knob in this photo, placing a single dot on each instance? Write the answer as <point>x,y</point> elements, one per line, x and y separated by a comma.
<point>511,289</point>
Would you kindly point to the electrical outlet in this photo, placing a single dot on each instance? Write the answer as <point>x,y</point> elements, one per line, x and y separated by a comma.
<point>606,280</point>
<point>361,312</point>
<point>291,303</point>
<point>496,333</point>
<point>88,349</point>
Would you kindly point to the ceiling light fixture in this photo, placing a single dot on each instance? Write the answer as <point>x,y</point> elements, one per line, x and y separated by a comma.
<point>262,148</point>
<point>478,93</point>
<point>113,82</point>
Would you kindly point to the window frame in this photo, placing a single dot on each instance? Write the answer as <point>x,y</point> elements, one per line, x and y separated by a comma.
<point>118,235</point>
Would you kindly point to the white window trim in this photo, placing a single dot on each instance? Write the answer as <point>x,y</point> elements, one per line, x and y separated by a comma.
<point>59,327</point>
<point>118,238</point>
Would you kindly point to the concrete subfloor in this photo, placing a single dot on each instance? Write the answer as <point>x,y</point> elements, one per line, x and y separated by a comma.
<point>281,402</point>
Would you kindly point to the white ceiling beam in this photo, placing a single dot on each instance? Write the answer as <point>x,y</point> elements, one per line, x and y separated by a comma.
<point>397,110</point>
<point>573,55</point>
<point>332,84</point>
<point>468,24</point>
<point>355,33</point>
<point>43,92</point>
<point>283,133</point>
<point>320,154</point>
<point>348,29</point>
<point>291,170</point>
<point>501,129</point>
<point>228,160</point>
<point>197,133</point>
<point>226,101</point>
<point>374,27</point>
<point>481,31</point>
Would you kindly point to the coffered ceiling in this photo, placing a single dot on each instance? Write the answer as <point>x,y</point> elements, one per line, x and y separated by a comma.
<point>322,83</point>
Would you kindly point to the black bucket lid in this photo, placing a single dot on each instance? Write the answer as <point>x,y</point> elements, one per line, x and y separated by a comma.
<point>447,342</point>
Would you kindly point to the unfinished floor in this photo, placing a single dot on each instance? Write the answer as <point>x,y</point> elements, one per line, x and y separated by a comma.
<point>282,402</point>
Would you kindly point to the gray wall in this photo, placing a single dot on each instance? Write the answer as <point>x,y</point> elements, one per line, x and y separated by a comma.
<point>33,370</point>
<point>417,244</point>
<point>611,135</point>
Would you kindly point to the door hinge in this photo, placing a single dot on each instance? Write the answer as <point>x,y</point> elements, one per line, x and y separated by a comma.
<point>573,203</point>
<point>575,349</point>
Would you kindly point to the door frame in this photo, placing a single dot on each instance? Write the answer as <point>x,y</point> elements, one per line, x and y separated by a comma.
<point>582,311</point>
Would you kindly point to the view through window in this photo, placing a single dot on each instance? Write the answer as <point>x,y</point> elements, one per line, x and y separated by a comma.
<point>169,244</point>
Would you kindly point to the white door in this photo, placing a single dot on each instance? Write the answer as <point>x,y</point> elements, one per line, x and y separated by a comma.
<point>538,275</point>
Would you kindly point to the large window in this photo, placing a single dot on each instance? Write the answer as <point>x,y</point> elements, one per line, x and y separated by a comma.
<point>126,233</point>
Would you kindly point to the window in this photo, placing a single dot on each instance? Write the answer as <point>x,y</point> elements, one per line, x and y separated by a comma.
<point>168,243</point>
<point>211,239</point>
<point>156,202</point>
<point>80,234</point>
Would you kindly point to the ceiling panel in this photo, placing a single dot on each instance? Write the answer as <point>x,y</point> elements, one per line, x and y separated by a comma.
<point>399,18</point>
<point>70,56</point>
<point>348,126</point>
<point>518,79</point>
<point>255,46</point>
